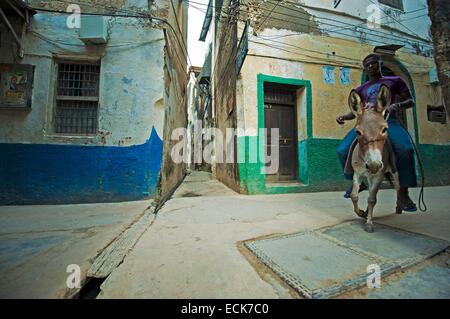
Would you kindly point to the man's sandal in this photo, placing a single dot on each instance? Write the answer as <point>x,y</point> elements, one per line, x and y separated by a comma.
<point>407,206</point>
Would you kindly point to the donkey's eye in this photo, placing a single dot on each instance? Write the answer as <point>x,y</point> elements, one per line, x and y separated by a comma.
<point>384,130</point>
<point>359,133</point>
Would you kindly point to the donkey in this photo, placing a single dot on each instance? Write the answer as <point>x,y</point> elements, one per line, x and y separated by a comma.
<point>369,157</point>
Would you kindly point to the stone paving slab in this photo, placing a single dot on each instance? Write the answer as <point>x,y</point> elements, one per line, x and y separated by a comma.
<point>314,265</point>
<point>431,282</point>
<point>327,262</point>
<point>400,247</point>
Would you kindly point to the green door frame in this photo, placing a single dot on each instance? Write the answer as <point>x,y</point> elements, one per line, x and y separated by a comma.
<point>301,148</point>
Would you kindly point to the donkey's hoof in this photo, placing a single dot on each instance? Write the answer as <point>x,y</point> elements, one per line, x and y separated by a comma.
<point>398,210</point>
<point>369,228</point>
<point>362,214</point>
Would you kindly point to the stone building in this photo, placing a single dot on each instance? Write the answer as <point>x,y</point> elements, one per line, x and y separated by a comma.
<point>291,64</point>
<point>89,99</point>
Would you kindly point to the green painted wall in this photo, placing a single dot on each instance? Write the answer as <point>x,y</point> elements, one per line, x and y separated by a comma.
<point>436,164</point>
<point>323,173</point>
<point>319,168</point>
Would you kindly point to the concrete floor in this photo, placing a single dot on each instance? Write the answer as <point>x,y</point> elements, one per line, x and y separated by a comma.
<point>37,243</point>
<point>194,247</point>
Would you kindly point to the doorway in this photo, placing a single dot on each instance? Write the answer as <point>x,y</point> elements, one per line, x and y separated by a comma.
<point>280,112</point>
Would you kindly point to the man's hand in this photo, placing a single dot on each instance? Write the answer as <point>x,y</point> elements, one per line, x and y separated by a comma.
<point>368,106</point>
<point>393,108</point>
<point>340,120</point>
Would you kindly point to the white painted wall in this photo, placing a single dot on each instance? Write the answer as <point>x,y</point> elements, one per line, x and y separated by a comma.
<point>131,83</point>
<point>413,20</point>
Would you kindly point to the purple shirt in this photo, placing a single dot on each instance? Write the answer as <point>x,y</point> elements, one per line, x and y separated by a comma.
<point>369,90</point>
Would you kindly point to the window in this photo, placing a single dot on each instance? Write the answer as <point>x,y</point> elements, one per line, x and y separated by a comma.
<point>77,90</point>
<point>397,4</point>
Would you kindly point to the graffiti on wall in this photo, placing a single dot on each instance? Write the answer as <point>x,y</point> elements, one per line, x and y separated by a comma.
<point>328,74</point>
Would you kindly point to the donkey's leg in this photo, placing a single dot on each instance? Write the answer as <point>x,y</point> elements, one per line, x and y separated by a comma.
<point>396,183</point>
<point>374,186</point>
<point>354,195</point>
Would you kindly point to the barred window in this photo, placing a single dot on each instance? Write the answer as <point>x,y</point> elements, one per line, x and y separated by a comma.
<point>77,90</point>
<point>397,4</point>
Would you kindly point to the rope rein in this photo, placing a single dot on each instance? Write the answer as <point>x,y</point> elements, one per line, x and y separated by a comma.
<point>422,174</point>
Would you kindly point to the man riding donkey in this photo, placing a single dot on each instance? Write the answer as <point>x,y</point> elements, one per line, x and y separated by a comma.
<point>368,95</point>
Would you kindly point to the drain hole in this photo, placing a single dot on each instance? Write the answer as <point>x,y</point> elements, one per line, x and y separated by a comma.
<point>190,194</point>
<point>92,288</point>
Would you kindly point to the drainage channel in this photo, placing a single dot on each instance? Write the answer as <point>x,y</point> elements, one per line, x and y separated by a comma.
<point>91,289</point>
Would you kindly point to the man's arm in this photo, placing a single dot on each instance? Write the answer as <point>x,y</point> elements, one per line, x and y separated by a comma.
<point>406,101</point>
<point>349,116</point>
<point>346,117</point>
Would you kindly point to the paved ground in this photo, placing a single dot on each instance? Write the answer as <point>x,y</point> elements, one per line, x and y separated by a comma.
<point>194,247</point>
<point>37,243</point>
<point>327,262</point>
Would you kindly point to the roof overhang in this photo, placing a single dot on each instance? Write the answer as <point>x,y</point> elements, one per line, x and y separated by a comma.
<point>207,21</point>
<point>16,8</point>
<point>205,75</point>
<point>387,49</point>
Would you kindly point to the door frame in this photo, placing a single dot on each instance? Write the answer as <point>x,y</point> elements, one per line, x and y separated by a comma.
<point>294,139</point>
<point>302,154</point>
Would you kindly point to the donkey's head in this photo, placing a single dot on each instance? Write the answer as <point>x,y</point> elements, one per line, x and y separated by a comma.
<point>371,127</point>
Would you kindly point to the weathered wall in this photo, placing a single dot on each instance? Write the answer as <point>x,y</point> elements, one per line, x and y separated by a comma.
<point>302,57</point>
<point>123,160</point>
<point>349,21</point>
<point>175,85</point>
<point>9,45</point>
<point>225,97</point>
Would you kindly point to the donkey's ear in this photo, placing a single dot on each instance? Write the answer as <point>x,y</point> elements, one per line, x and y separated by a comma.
<point>354,102</point>
<point>383,98</point>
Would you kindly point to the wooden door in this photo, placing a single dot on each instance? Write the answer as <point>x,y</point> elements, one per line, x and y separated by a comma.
<point>279,112</point>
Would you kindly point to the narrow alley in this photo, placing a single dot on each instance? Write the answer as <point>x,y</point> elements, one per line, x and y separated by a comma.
<point>217,149</point>
<point>194,249</point>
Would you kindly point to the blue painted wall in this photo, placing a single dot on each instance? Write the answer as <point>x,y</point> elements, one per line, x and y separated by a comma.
<point>46,173</point>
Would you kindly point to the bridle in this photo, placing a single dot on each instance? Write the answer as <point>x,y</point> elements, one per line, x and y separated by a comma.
<point>372,141</point>
<point>367,143</point>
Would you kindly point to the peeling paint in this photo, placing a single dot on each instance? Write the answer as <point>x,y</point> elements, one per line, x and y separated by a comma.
<point>282,16</point>
<point>123,160</point>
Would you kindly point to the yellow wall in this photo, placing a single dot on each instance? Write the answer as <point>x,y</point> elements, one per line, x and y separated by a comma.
<point>303,56</point>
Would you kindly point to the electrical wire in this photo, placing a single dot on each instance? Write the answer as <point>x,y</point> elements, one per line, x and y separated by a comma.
<point>393,18</point>
<point>310,50</point>
<point>380,34</point>
<point>268,15</point>
<point>330,19</point>
<point>131,14</point>
<point>390,38</point>
<point>297,53</point>
<point>185,46</point>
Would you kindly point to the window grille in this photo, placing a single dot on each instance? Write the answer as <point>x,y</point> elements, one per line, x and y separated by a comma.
<point>77,99</point>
